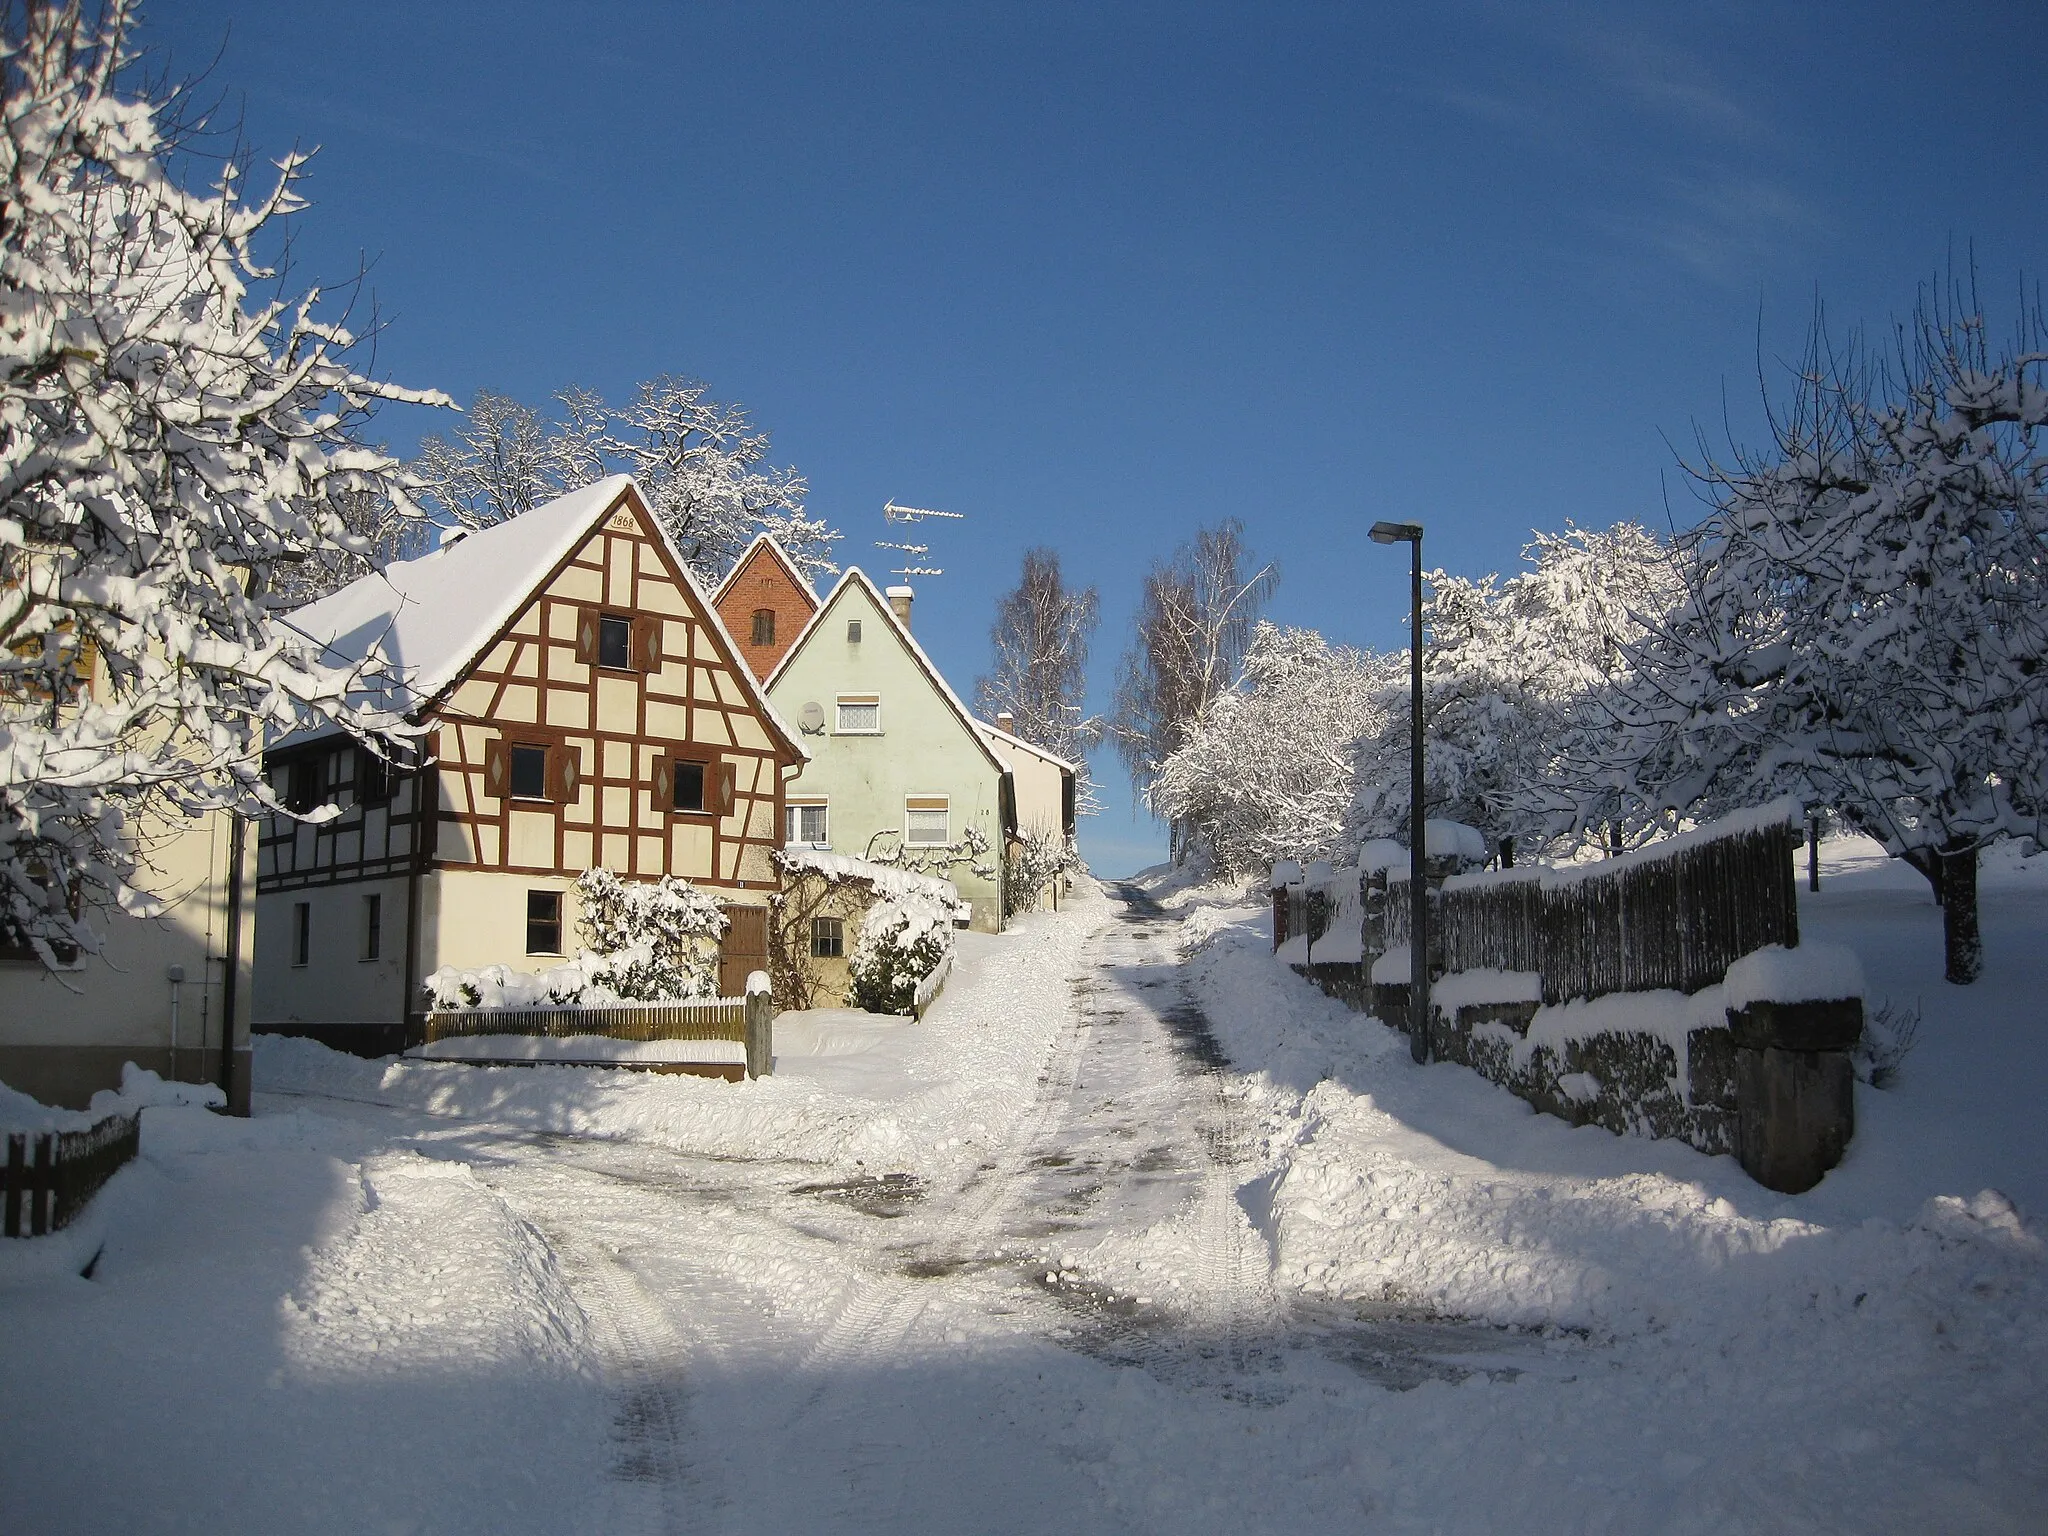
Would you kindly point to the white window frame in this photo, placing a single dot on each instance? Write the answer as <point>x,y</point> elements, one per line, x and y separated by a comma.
<point>793,824</point>
<point>847,701</point>
<point>941,805</point>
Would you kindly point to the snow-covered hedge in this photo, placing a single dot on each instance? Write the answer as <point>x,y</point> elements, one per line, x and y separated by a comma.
<point>902,940</point>
<point>647,943</point>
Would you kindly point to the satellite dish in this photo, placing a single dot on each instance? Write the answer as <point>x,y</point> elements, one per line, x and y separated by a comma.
<point>812,717</point>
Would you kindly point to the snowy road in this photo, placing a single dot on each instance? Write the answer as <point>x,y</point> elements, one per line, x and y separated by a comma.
<point>1136,1232</point>
<point>791,1352</point>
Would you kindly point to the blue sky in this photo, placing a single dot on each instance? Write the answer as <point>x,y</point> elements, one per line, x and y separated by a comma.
<point>1097,274</point>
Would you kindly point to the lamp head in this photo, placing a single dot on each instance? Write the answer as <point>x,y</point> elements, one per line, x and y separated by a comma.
<point>1397,533</point>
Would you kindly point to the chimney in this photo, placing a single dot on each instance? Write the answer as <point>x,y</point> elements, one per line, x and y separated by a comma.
<point>1005,721</point>
<point>899,599</point>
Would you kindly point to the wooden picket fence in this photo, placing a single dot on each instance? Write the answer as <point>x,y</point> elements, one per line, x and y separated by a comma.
<point>1657,921</point>
<point>50,1176</point>
<point>723,1018</point>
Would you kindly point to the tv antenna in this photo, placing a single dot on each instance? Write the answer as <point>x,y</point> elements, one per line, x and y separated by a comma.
<point>896,514</point>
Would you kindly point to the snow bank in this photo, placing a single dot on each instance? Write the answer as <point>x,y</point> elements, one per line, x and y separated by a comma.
<point>1443,839</point>
<point>1671,1017</point>
<point>1812,973</point>
<point>140,1089</point>
<point>1393,968</point>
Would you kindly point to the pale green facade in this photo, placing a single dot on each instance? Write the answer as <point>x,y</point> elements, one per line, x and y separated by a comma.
<point>880,785</point>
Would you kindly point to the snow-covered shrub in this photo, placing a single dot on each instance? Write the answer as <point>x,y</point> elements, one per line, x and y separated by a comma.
<point>650,942</point>
<point>1043,856</point>
<point>653,942</point>
<point>1889,1031</point>
<point>902,940</point>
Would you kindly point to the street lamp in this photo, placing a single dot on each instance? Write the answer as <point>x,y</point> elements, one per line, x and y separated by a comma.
<point>1418,892</point>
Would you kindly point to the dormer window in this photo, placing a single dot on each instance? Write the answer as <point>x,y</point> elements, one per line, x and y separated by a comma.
<point>615,641</point>
<point>764,626</point>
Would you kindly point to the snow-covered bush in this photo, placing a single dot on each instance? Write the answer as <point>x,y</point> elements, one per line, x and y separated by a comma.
<point>1889,1032</point>
<point>168,444</point>
<point>654,942</point>
<point>1043,855</point>
<point>649,942</point>
<point>902,940</point>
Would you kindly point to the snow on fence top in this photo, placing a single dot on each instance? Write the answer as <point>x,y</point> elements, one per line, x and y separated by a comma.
<point>887,880</point>
<point>1783,812</point>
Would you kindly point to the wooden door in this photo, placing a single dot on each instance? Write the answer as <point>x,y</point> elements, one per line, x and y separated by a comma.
<point>743,949</point>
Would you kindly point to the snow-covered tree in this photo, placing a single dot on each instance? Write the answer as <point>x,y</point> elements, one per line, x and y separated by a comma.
<point>1040,676</point>
<point>653,941</point>
<point>1266,770</point>
<point>1194,626</point>
<point>168,442</point>
<point>1867,622</point>
<point>700,462</point>
<point>1504,674</point>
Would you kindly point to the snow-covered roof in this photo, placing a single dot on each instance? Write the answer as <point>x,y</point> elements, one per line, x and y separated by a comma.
<point>855,576</point>
<point>421,624</point>
<point>772,546</point>
<point>430,617</point>
<point>1011,739</point>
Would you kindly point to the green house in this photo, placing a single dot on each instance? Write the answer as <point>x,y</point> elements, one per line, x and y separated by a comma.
<point>899,771</point>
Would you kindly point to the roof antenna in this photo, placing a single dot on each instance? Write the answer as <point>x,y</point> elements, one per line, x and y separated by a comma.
<point>916,552</point>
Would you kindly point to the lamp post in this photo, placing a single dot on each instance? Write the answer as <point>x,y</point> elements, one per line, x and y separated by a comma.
<point>1418,891</point>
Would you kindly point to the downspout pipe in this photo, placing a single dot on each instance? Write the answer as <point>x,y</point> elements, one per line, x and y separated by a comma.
<point>231,983</point>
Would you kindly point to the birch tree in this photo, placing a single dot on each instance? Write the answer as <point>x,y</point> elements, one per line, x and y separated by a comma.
<point>1040,677</point>
<point>168,442</point>
<point>1194,627</point>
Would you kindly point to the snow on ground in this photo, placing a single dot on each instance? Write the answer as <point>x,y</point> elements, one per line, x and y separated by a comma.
<point>1135,1232</point>
<point>1866,1356</point>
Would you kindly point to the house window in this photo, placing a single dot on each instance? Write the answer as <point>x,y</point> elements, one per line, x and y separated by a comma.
<point>807,824</point>
<point>543,922</point>
<point>302,932</point>
<point>373,927</point>
<point>860,714</point>
<point>828,938</point>
<point>926,820</point>
<point>615,642</point>
<point>529,773</point>
<point>373,778</point>
<point>853,631</point>
<point>689,786</point>
<point>303,782</point>
<point>764,626</point>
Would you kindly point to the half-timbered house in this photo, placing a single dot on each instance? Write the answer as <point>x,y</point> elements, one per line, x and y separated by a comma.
<point>582,705</point>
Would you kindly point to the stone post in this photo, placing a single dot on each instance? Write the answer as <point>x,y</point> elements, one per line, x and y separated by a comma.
<point>760,1025</point>
<point>1795,1092</point>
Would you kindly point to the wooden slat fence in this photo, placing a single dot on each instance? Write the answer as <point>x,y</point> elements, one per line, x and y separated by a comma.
<point>723,1018</point>
<point>1673,922</point>
<point>51,1175</point>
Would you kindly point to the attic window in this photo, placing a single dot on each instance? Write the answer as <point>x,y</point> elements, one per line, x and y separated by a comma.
<point>860,714</point>
<point>689,787</point>
<point>853,631</point>
<point>764,626</point>
<point>615,642</point>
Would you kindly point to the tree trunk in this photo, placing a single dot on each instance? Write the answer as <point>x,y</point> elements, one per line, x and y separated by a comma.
<point>1961,939</point>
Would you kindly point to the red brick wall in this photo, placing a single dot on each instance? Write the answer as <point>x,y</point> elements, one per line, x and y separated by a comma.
<point>762,583</point>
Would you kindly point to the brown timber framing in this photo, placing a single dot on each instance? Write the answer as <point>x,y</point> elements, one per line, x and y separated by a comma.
<point>684,670</point>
